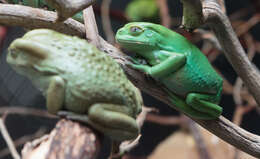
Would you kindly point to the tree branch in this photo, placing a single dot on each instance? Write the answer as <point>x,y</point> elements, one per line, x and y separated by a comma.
<point>67,8</point>
<point>221,127</point>
<point>14,15</point>
<point>91,30</point>
<point>8,140</point>
<point>68,140</point>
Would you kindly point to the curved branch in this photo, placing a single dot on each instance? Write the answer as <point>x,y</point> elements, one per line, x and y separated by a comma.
<point>221,127</point>
<point>14,15</point>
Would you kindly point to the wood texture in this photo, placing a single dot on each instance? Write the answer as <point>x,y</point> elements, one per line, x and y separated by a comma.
<point>68,140</point>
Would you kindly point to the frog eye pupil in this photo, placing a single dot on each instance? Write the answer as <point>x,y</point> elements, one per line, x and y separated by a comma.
<point>136,29</point>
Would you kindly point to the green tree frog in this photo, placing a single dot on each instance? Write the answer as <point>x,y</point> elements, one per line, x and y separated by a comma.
<point>184,71</point>
<point>78,78</point>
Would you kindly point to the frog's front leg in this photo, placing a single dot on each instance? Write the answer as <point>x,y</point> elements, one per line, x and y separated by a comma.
<point>202,103</point>
<point>170,65</point>
<point>55,94</point>
<point>111,119</point>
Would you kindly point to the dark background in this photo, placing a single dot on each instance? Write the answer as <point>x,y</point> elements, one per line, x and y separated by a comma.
<point>15,90</point>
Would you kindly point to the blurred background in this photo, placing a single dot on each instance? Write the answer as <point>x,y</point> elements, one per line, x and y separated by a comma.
<point>165,133</point>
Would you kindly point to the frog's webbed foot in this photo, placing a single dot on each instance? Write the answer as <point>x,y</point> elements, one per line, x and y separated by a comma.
<point>187,109</point>
<point>201,102</point>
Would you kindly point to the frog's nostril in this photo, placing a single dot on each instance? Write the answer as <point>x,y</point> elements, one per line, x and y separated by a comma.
<point>120,31</point>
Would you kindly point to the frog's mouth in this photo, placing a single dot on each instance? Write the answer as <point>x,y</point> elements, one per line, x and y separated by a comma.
<point>31,48</point>
<point>123,41</point>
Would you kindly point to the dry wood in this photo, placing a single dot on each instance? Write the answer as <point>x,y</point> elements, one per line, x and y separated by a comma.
<point>67,8</point>
<point>67,140</point>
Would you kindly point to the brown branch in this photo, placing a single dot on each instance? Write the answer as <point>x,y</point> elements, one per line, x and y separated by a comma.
<point>25,111</point>
<point>67,8</point>
<point>68,140</point>
<point>22,140</point>
<point>106,22</point>
<point>91,30</point>
<point>221,127</point>
<point>165,120</point>
<point>164,13</point>
<point>14,15</point>
<point>203,152</point>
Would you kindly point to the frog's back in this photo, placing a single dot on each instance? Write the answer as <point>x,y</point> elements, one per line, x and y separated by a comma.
<point>197,75</point>
<point>97,79</point>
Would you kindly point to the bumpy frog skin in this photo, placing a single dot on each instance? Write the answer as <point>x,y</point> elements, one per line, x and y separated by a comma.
<point>191,82</point>
<point>76,77</point>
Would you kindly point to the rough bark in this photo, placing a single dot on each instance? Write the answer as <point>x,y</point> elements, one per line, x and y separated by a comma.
<point>68,140</point>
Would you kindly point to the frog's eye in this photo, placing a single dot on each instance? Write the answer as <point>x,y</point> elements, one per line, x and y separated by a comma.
<point>135,30</point>
<point>13,53</point>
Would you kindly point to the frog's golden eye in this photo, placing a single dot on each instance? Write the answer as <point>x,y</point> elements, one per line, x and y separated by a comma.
<point>135,30</point>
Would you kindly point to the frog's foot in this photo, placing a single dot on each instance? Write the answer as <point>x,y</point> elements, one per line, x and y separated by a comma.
<point>201,102</point>
<point>133,60</point>
<point>114,121</point>
<point>143,68</point>
<point>185,108</point>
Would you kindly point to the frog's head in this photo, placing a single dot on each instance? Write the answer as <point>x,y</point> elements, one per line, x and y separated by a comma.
<point>140,36</point>
<point>32,55</point>
<point>28,52</point>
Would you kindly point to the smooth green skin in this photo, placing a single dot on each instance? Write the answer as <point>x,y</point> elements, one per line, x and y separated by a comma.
<point>75,76</point>
<point>191,82</point>
<point>43,4</point>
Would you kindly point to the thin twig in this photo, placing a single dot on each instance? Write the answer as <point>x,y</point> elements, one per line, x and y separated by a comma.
<point>106,22</point>
<point>164,13</point>
<point>242,29</point>
<point>8,140</point>
<point>202,148</point>
<point>165,120</point>
<point>23,140</point>
<point>25,111</point>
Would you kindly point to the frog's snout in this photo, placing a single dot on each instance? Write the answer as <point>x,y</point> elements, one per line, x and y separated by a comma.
<point>28,47</point>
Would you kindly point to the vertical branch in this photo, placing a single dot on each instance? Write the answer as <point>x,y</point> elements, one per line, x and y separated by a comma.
<point>91,26</point>
<point>8,140</point>
<point>164,13</point>
<point>106,23</point>
<point>202,148</point>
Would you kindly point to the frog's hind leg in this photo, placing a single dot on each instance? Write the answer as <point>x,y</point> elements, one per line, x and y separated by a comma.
<point>204,103</point>
<point>111,119</point>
